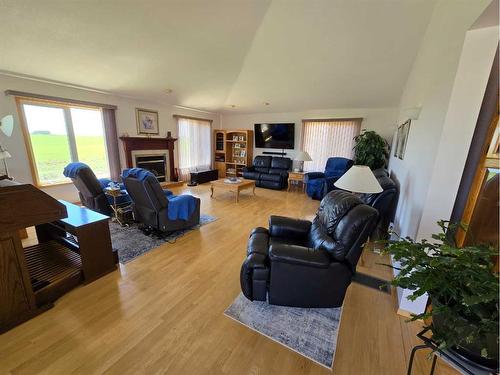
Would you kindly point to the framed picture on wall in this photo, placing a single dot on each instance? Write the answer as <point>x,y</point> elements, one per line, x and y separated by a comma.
<point>402,139</point>
<point>396,143</point>
<point>147,121</point>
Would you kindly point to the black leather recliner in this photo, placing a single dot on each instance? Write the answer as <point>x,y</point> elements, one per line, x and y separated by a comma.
<point>308,264</point>
<point>91,189</point>
<point>385,203</point>
<point>158,208</point>
<point>269,172</point>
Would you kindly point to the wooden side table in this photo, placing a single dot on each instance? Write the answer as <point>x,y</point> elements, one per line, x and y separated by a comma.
<point>115,207</point>
<point>297,177</point>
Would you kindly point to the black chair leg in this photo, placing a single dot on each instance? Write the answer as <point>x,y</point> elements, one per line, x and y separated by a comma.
<point>412,356</point>
<point>434,358</point>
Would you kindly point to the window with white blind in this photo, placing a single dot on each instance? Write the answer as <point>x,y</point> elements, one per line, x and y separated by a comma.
<point>194,145</point>
<point>323,139</point>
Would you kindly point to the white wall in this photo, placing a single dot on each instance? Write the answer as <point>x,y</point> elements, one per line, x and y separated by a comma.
<point>458,128</point>
<point>448,81</point>
<point>429,85</point>
<point>381,120</point>
<point>125,118</point>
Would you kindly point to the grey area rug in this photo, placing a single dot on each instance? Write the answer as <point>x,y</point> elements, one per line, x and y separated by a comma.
<point>130,242</point>
<point>309,332</point>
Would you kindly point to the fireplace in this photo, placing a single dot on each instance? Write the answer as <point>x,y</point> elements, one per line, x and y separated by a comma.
<point>157,164</point>
<point>153,150</point>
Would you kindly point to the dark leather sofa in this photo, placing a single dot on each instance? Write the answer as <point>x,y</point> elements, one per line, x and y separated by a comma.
<point>308,264</point>
<point>269,172</point>
<point>385,203</point>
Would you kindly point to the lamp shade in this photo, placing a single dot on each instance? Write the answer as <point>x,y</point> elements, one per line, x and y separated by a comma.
<point>303,156</point>
<point>4,154</point>
<point>7,125</point>
<point>359,179</point>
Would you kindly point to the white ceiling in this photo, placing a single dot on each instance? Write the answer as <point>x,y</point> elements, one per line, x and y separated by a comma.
<point>295,54</point>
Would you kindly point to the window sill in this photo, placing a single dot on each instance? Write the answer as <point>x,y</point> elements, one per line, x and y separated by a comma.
<point>44,186</point>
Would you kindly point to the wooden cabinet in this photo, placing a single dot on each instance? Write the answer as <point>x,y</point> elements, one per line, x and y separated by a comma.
<point>220,152</point>
<point>233,150</point>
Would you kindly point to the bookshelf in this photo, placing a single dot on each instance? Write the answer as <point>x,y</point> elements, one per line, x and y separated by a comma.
<point>233,150</point>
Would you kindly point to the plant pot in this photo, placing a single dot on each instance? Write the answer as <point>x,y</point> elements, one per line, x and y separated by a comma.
<point>469,351</point>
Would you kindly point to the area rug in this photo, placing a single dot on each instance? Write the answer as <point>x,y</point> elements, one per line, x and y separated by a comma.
<point>309,332</point>
<point>130,242</point>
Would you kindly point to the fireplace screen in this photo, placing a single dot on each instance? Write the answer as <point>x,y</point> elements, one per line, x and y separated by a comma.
<point>157,164</point>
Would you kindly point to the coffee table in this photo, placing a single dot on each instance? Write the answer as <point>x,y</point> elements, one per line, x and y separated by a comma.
<point>236,188</point>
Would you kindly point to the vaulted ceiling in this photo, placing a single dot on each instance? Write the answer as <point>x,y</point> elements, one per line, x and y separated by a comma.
<point>293,54</point>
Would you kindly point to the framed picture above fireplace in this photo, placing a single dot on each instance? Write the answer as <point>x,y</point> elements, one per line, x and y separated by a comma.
<point>147,121</point>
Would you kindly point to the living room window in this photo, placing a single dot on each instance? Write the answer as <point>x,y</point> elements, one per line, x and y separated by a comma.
<point>194,145</point>
<point>57,134</point>
<point>326,138</point>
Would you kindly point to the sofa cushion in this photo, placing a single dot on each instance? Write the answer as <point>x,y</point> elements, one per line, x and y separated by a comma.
<point>261,169</point>
<point>261,161</point>
<point>281,172</point>
<point>333,207</point>
<point>281,163</point>
<point>251,175</point>
<point>270,177</point>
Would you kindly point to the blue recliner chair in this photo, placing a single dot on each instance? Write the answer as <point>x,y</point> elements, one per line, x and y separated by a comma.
<point>321,183</point>
<point>91,189</point>
<point>156,208</point>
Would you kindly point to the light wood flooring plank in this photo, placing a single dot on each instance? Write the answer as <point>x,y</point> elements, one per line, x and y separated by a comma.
<point>163,312</point>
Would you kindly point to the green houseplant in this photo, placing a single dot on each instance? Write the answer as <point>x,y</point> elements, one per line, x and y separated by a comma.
<point>370,149</point>
<point>463,289</point>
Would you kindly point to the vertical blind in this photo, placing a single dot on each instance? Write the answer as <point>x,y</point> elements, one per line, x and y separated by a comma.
<point>194,146</point>
<point>326,138</point>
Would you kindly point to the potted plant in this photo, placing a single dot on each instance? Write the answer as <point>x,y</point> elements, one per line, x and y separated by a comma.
<point>370,149</point>
<point>462,284</point>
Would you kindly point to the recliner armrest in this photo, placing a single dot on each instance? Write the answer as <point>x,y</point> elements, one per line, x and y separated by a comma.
<point>299,255</point>
<point>313,175</point>
<point>248,169</point>
<point>281,226</point>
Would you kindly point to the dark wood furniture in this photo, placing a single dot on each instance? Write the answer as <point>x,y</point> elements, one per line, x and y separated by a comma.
<point>144,143</point>
<point>201,177</point>
<point>89,237</point>
<point>74,247</point>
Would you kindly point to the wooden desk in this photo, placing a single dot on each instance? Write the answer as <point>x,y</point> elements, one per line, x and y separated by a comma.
<point>93,240</point>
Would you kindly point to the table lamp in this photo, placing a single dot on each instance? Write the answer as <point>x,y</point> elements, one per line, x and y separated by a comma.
<point>359,179</point>
<point>302,156</point>
<point>6,126</point>
<point>4,154</point>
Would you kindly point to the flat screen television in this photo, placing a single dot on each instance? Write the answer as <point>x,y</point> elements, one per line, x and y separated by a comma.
<point>280,135</point>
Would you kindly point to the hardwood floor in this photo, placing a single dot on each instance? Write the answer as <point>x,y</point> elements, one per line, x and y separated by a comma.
<point>163,312</point>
